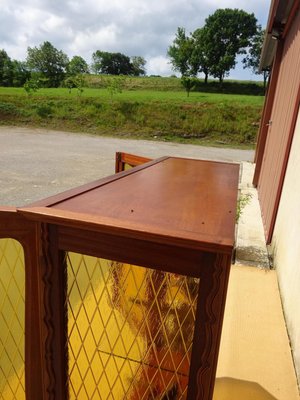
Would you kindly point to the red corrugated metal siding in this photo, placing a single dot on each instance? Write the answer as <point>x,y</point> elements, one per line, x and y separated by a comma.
<point>280,133</point>
<point>266,116</point>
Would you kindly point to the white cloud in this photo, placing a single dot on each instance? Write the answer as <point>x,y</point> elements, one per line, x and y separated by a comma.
<point>133,27</point>
<point>53,23</point>
<point>88,41</point>
<point>159,66</point>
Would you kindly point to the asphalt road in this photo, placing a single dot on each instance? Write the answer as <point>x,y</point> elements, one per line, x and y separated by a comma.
<point>37,163</point>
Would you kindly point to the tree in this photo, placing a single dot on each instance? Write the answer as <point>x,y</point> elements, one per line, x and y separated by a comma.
<point>228,32</point>
<point>20,73</point>
<point>188,83</point>
<point>252,59</point>
<point>114,85</point>
<point>199,58</point>
<point>180,53</point>
<point>138,65</point>
<point>77,66</point>
<point>12,72</point>
<point>6,74</point>
<point>111,63</point>
<point>75,81</point>
<point>49,62</point>
<point>31,86</point>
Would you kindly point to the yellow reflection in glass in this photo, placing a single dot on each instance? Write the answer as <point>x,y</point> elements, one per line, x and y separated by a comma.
<point>130,330</point>
<point>12,309</point>
<point>127,167</point>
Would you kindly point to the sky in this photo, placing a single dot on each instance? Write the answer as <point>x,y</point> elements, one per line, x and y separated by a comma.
<point>133,27</point>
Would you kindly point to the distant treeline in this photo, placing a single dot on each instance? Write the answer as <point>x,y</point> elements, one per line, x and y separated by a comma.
<point>210,50</point>
<point>46,66</point>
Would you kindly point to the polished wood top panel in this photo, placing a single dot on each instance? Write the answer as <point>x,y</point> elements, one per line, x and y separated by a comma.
<point>192,199</point>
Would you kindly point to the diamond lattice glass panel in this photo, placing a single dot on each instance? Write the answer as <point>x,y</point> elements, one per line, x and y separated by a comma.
<point>130,330</point>
<point>12,309</point>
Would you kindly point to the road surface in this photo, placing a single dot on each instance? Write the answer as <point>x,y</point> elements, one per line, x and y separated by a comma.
<point>37,163</point>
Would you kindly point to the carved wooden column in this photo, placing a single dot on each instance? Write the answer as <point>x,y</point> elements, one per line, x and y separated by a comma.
<point>53,283</point>
<point>208,325</point>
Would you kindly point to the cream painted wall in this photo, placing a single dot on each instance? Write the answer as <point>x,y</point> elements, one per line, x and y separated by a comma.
<point>286,246</point>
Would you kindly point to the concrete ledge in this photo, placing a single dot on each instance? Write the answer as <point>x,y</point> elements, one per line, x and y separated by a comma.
<point>251,248</point>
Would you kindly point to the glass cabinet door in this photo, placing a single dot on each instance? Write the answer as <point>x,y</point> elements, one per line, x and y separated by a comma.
<point>130,330</point>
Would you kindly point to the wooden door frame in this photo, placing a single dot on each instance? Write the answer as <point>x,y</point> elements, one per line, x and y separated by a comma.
<point>14,226</point>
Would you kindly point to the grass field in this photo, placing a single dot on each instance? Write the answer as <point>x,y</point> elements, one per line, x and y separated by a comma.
<point>169,115</point>
<point>178,96</point>
<point>174,84</point>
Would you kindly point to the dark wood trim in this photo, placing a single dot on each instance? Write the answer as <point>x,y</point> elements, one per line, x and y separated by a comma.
<point>15,226</point>
<point>130,159</point>
<point>208,326</point>
<point>33,370</point>
<point>118,162</point>
<point>53,276</point>
<point>264,124</point>
<point>259,136</point>
<point>132,251</point>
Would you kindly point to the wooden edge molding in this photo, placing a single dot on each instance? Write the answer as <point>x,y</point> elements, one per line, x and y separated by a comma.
<point>129,229</point>
<point>14,225</point>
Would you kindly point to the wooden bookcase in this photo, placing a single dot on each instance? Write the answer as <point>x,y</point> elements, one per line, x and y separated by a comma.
<point>172,216</point>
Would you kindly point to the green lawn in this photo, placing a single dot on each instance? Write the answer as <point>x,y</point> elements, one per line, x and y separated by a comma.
<point>141,95</point>
<point>202,118</point>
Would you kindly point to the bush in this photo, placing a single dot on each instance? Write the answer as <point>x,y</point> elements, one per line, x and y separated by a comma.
<point>8,109</point>
<point>44,111</point>
<point>229,87</point>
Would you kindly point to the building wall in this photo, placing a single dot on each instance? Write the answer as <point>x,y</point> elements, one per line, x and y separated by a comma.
<point>280,129</point>
<point>286,246</point>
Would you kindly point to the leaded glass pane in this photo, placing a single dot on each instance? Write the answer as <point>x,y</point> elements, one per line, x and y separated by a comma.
<point>12,310</point>
<point>130,330</point>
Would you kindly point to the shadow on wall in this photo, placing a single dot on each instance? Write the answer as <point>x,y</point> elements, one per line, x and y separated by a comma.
<point>235,389</point>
